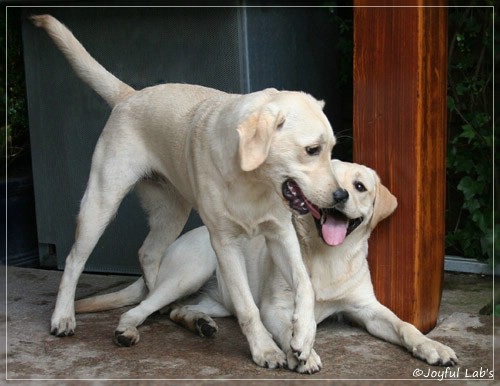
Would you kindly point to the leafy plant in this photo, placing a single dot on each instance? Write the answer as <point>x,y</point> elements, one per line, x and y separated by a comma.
<point>341,17</point>
<point>470,175</point>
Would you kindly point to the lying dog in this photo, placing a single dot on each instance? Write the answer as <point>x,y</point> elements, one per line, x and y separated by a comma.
<point>244,162</point>
<point>339,274</point>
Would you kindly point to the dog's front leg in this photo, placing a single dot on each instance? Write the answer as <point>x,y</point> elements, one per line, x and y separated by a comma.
<point>285,251</point>
<point>265,352</point>
<point>383,323</point>
<point>277,309</point>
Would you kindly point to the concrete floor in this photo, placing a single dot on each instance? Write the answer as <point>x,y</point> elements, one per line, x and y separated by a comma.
<point>171,353</point>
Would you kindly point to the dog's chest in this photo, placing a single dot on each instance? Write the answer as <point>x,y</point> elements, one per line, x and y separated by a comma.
<point>335,275</point>
<point>255,211</point>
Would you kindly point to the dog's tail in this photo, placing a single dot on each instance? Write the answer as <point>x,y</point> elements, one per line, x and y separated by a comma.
<point>110,88</point>
<point>127,296</point>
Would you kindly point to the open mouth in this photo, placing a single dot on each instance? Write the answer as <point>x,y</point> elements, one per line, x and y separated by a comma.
<point>333,225</point>
<point>297,200</point>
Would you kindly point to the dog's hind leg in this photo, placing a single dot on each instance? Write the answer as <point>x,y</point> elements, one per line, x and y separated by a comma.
<point>109,182</point>
<point>181,274</point>
<point>196,314</point>
<point>168,212</point>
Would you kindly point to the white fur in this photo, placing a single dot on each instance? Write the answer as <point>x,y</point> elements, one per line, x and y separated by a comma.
<point>340,277</point>
<point>226,155</point>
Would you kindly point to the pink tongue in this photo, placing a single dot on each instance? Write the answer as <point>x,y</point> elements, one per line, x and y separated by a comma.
<point>334,231</point>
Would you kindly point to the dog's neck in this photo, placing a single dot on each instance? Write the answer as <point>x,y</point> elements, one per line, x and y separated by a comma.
<point>331,268</point>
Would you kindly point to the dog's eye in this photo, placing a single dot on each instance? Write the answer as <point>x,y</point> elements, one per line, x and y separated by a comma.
<point>313,150</point>
<point>359,186</point>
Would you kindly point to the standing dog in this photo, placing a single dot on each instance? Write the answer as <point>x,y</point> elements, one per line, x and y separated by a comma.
<point>242,161</point>
<point>339,274</point>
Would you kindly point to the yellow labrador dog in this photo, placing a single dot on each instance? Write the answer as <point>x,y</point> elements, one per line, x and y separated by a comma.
<point>339,275</point>
<point>244,162</point>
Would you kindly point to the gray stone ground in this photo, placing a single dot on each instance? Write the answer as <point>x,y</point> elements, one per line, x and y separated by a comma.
<point>178,357</point>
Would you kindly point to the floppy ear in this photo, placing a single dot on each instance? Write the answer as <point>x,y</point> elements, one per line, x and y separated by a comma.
<point>385,204</point>
<point>256,133</point>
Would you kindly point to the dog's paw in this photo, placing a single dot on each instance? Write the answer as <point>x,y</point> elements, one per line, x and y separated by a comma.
<point>63,326</point>
<point>206,327</point>
<point>435,353</point>
<point>304,333</point>
<point>272,358</point>
<point>310,366</point>
<point>127,337</point>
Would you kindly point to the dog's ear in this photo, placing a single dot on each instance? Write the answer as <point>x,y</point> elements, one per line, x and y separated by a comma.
<point>256,133</point>
<point>385,203</point>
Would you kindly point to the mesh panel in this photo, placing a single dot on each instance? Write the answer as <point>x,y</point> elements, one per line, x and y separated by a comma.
<point>141,46</point>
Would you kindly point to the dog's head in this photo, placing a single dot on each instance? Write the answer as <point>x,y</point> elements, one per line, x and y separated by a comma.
<point>288,141</point>
<point>362,203</point>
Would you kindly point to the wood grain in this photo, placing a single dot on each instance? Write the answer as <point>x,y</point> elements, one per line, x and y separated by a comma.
<point>399,130</point>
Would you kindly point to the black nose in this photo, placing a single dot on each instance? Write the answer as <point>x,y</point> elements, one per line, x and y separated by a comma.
<point>340,196</point>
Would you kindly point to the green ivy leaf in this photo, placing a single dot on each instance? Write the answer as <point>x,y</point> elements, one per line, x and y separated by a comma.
<point>472,205</point>
<point>450,102</point>
<point>470,187</point>
<point>461,88</point>
<point>467,132</point>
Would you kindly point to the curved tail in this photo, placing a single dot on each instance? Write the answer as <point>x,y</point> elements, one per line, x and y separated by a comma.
<point>110,88</point>
<point>128,296</point>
